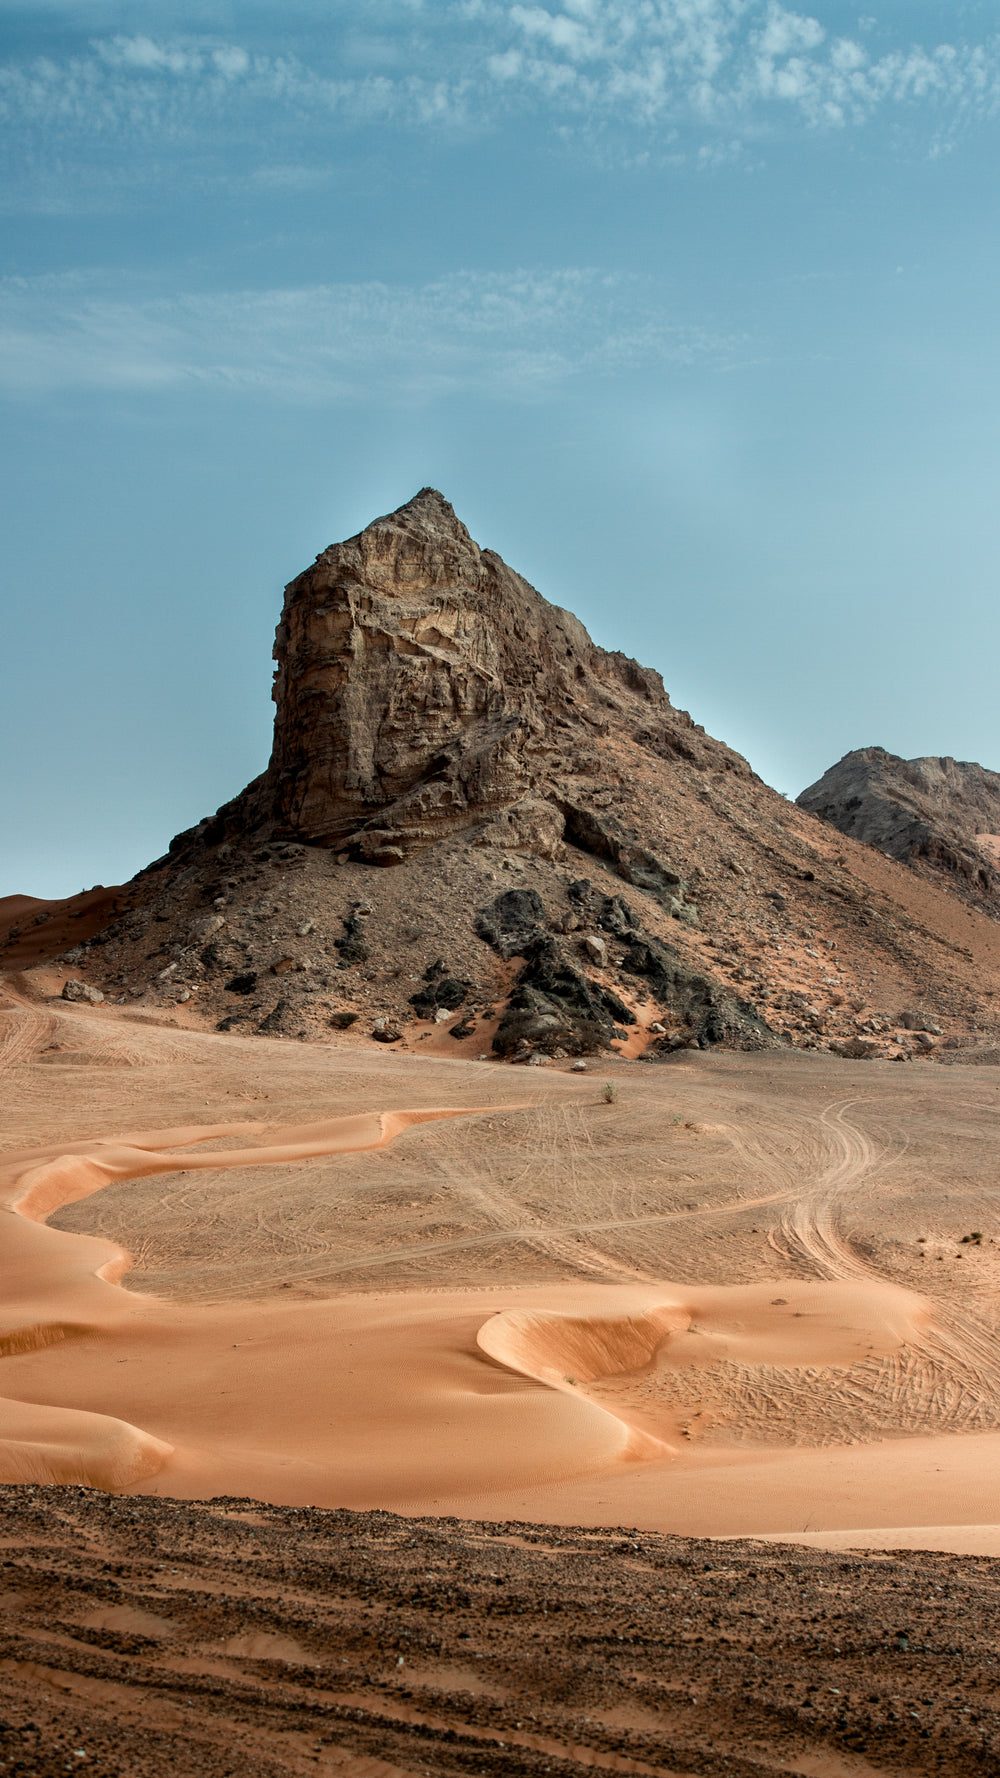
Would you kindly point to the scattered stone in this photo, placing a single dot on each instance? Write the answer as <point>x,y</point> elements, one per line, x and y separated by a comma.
<point>578,1067</point>
<point>306,927</point>
<point>466,1028</point>
<point>342,1020</point>
<point>597,950</point>
<point>386,1031</point>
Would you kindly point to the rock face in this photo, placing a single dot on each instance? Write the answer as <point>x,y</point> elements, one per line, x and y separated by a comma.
<point>940,814</point>
<point>578,867</point>
<point>424,688</point>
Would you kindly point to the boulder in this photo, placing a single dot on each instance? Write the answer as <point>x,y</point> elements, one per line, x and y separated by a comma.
<point>855,1049</point>
<point>74,990</point>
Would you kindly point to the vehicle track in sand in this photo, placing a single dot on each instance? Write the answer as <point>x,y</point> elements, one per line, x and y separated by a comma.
<point>957,1373</point>
<point>23,1030</point>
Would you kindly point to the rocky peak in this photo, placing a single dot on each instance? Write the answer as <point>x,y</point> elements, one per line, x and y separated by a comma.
<point>423,686</point>
<point>940,815</point>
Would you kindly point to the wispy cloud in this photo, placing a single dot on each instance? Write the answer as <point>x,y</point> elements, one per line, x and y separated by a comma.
<point>652,67</point>
<point>515,336</point>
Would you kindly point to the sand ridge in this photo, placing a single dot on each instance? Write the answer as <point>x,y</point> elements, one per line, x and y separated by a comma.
<point>57,1286</point>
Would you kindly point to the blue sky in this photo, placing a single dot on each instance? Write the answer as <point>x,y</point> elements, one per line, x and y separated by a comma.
<point>689,306</point>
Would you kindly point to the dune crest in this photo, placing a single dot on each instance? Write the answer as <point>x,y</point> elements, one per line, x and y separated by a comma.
<point>58,1287</point>
<point>639,1353</point>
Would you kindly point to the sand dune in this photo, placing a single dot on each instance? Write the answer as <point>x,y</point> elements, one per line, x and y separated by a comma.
<point>732,1304</point>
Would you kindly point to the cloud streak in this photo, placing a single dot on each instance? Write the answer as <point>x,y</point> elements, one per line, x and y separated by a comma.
<point>647,67</point>
<point>519,336</point>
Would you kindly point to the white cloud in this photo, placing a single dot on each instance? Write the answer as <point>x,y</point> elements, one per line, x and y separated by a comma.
<point>646,66</point>
<point>516,336</point>
<point>785,33</point>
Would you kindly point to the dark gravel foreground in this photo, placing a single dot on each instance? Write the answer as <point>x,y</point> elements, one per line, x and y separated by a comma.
<point>143,1637</point>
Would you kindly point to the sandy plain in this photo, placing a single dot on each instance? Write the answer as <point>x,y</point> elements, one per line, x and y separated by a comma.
<point>750,1296</point>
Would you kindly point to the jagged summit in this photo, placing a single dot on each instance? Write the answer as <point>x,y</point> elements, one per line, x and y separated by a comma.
<point>423,686</point>
<point>941,815</point>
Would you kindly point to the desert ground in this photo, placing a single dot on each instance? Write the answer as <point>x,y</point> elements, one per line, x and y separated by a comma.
<point>728,1295</point>
<point>366,1410</point>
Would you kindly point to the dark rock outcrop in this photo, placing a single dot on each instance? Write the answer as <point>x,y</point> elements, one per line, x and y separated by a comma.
<point>556,1007</point>
<point>440,992</point>
<point>512,923</point>
<point>709,1013</point>
<point>937,814</point>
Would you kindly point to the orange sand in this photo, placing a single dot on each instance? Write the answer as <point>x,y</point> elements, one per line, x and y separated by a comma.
<point>568,1399</point>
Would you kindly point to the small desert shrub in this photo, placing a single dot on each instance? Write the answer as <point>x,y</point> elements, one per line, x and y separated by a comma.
<point>609,1092</point>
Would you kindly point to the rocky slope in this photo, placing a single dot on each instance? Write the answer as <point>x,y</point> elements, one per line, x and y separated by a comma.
<point>940,815</point>
<point>480,832</point>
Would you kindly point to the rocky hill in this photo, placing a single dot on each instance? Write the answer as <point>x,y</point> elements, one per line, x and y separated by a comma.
<point>940,815</point>
<point>480,833</point>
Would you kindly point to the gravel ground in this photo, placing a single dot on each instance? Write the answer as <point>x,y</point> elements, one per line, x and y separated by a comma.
<point>145,1636</point>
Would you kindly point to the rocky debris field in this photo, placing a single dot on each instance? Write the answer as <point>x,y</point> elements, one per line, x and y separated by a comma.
<point>231,1639</point>
<point>280,938</point>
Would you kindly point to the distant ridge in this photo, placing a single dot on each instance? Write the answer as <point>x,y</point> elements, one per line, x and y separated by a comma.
<point>942,815</point>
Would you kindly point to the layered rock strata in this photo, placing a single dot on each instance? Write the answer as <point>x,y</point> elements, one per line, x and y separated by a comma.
<point>425,689</point>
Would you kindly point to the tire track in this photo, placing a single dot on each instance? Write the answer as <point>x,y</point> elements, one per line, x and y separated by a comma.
<point>959,1359</point>
<point>23,1030</point>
